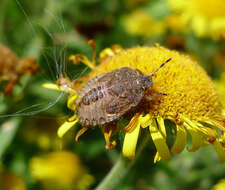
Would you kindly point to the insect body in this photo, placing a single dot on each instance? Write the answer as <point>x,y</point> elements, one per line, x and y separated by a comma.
<point>105,98</point>
<point>111,95</point>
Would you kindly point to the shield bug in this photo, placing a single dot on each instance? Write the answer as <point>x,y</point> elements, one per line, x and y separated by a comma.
<point>12,68</point>
<point>109,96</point>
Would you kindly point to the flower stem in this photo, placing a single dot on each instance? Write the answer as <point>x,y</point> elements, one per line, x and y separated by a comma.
<point>120,169</point>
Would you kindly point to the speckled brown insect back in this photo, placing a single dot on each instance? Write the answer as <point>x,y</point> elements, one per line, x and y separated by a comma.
<point>109,96</point>
<point>12,68</point>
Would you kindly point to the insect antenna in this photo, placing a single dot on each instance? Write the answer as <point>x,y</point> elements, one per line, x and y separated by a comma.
<point>168,60</point>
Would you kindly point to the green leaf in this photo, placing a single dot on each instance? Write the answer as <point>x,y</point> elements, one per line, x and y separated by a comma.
<point>7,132</point>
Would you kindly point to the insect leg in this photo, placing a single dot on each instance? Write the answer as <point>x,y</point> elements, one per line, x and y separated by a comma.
<point>81,132</point>
<point>108,132</point>
<point>154,95</point>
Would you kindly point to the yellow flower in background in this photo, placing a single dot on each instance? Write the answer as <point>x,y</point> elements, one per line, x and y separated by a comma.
<point>182,92</point>
<point>140,23</point>
<point>60,170</point>
<point>204,17</point>
<point>36,132</point>
<point>175,23</point>
<point>10,181</point>
<point>220,185</point>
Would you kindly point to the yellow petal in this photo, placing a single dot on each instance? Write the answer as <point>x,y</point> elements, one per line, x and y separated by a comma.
<point>211,134</point>
<point>81,58</point>
<point>71,102</point>
<point>220,185</point>
<point>56,87</point>
<point>133,123</point>
<point>51,86</point>
<point>145,120</point>
<point>220,150</point>
<point>162,128</point>
<point>196,137</point>
<point>157,158</point>
<point>66,126</point>
<point>130,142</point>
<point>180,142</point>
<point>203,130</point>
<point>216,122</point>
<point>159,140</point>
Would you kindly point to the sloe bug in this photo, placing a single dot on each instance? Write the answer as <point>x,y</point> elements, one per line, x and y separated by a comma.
<point>109,96</point>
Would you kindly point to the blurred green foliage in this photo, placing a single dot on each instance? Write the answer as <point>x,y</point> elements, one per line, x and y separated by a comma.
<point>50,31</point>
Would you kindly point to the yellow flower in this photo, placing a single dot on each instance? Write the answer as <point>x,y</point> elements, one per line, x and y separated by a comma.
<point>140,23</point>
<point>182,92</point>
<point>60,170</point>
<point>220,185</point>
<point>175,23</point>
<point>36,132</point>
<point>204,17</point>
<point>10,181</point>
